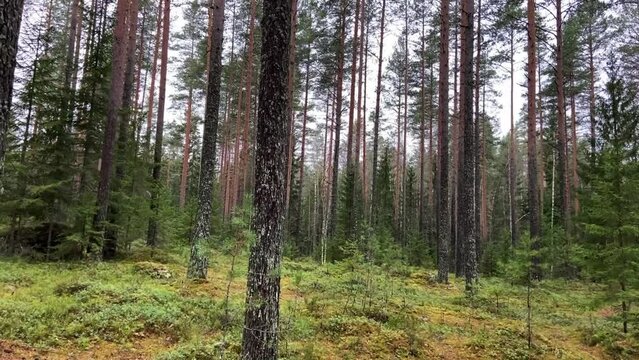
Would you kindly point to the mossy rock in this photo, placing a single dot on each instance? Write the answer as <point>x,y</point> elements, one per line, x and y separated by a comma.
<point>153,269</point>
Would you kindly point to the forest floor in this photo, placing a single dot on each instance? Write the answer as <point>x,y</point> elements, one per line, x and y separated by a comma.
<point>142,307</point>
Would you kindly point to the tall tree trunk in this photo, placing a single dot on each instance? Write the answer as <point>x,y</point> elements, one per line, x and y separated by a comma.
<point>467,221</point>
<point>575,146</point>
<point>244,154</point>
<point>291,85</point>
<point>338,118</point>
<point>198,262</point>
<point>533,191</point>
<point>484,174</point>
<point>111,234</point>
<point>456,152</point>
<point>10,17</point>
<point>540,149</point>
<point>431,157</point>
<point>562,142</point>
<point>422,126</point>
<point>591,88</point>
<point>512,158</point>
<point>118,69</point>
<point>360,82</point>
<point>378,96</point>
<point>260,336</point>
<point>75,23</point>
<point>591,73</point>
<point>152,235</point>
<point>443,214</point>
<point>351,104</point>
<point>184,178</point>
<point>304,119</point>
<point>154,69</point>
<point>365,193</point>
<point>402,219</point>
<point>478,146</point>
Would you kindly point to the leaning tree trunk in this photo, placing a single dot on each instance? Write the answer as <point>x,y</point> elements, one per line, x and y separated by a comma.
<point>198,263</point>
<point>260,336</point>
<point>10,18</point>
<point>467,221</point>
<point>443,215</point>
<point>152,232</point>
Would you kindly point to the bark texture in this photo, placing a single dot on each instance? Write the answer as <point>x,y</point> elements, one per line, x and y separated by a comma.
<point>443,214</point>
<point>533,191</point>
<point>198,263</point>
<point>10,18</point>
<point>260,336</point>
<point>118,69</point>
<point>466,196</point>
<point>378,96</point>
<point>152,232</point>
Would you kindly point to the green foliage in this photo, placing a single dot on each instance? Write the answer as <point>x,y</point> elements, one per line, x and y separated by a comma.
<point>610,220</point>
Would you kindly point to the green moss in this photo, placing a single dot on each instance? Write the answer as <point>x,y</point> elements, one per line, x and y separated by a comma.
<point>345,310</point>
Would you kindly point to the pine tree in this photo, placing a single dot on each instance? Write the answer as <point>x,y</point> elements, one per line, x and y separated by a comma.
<point>10,17</point>
<point>611,205</point>
<point>198,262</point>
<point>443,217</point>
<point>260,335</point>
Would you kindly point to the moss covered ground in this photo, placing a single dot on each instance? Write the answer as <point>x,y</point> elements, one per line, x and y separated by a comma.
<point>142,307</point>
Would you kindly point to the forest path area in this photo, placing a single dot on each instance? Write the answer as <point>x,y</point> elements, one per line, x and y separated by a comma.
<point>142,307</point>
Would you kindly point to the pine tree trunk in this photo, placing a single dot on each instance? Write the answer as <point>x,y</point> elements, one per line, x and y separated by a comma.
<point>512,158</point>
<point>360,81</point>
<point>120,46</point>
<point>402,219</point>
<point>260,335</point>
<point>431,159</point>
<point>152,235</point>
<point>338,119</point>
<point>540,149</point>
<point>111,235</point>
<point>422,127</point>
<point>10,18</point>
<point>456,152</point>
<point>562,143</point>
<point>184,178</point>
<point>244,154</point>
<point>478,148</point>
<point>351,105</point>
<point>533,191</point>
<point>198,262</point>
<point>484,229</point>
<point>575,146</point>
<point>304,119</point>
<point>591,73</point>
<point>467,218</point>
<point>74,24</point>
<point>365,194</point>
<point>291,84</point>
<point>378,96</point>
<point>443,214</point>
<point>154,69</point>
